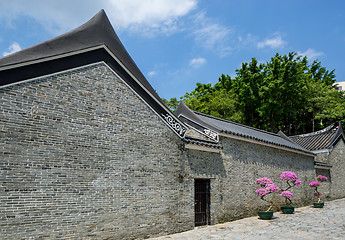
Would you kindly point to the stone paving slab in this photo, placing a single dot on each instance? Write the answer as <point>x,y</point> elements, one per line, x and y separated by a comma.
<point>306,223</point>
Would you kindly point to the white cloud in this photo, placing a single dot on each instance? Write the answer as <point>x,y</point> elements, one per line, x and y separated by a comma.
<point>62,15</point>
<point>156,15</point>
<point>14,47</point>
<point>152,73</point>
<point>311,54</point>
<point>247,40</point>
<point>274,42</point>
<point>197,62</point>
<point>211,35</point>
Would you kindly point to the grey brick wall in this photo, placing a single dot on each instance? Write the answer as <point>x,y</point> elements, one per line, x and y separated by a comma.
<point>337,172</point>
<point>334,187</point>
<point>83,157</point>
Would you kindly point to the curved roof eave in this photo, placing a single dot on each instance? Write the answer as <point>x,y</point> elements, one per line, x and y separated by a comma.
<point>96,34</point>
<point>320,140</point>
<point>98,31</point>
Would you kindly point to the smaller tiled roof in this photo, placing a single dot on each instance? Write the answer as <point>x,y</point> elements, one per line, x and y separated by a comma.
<point>244,131</point>
<point>323,139</point>
<point>191,119</point>
<point>224,126</point>
<point>201,142</point>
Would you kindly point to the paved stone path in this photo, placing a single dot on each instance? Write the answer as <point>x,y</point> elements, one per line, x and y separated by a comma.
<point>306,223</point>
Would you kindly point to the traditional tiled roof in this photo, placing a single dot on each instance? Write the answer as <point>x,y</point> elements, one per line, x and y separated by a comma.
<point>239,130</point>
<point>97,32</point>
<point>92,43</point>
<point>244,131</point>
<point>323,139</point>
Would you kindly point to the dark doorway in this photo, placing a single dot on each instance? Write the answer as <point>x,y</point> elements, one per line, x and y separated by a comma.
<point>202,201</point>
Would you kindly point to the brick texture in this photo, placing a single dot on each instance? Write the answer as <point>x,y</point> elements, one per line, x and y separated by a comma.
<point>82,156</point>
<point>334,188</point>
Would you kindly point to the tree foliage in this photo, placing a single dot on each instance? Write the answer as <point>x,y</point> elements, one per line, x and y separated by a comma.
<point>172,103</point>
<point>286,93</point>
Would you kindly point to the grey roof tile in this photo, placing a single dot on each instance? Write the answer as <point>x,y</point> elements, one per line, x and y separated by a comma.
<point>236,129</point>
<point>202,142</point>
<point>97,31</point>
<point>249,132</point>
<point>323,139</point>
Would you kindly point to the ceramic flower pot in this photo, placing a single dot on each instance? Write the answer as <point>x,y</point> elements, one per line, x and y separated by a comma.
<point>265,215</point>
<point>318,204</point>
<point>287,209</point>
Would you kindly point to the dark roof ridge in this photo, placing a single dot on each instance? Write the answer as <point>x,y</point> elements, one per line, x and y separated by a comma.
<point>93,42</point>
<point>98,31</point>
<point>49,46</point>
<point>315,133</point>
<point>238,124</point>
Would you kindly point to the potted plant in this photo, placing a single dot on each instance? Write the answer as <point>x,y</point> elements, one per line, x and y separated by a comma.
<point>315,185</point>
<point>267,187</point>
<point>291,180</point>
<point>288,208</point>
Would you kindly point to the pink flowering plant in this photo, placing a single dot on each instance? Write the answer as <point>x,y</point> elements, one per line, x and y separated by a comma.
<point>267,187</point>
<point>291,180</point>
<point>287,195</point>
<point>316,184</point>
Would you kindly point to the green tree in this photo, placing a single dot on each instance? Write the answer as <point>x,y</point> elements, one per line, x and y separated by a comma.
<point>172,103</point>
<point>218,101</point>
<point>285,94</point>
<point>199,98</point>
<point>321,96</point>
<point>330,106</point>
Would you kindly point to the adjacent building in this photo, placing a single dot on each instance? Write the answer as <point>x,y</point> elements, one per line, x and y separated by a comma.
<point>341,85</point>
<point>328,145</point>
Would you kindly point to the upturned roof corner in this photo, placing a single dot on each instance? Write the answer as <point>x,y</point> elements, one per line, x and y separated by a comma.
<point>93,42</point>
<point>320,140</point>
<point>97,32</point>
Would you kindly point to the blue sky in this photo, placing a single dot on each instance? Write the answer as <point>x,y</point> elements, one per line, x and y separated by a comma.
<point>177,43</point>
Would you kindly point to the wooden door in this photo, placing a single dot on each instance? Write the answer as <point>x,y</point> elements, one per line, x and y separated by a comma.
<point>202,201</point>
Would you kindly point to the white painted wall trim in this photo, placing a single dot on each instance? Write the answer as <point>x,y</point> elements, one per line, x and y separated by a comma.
<point>321,151</point>
<point>201,148</point>
<point>322,167</point>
